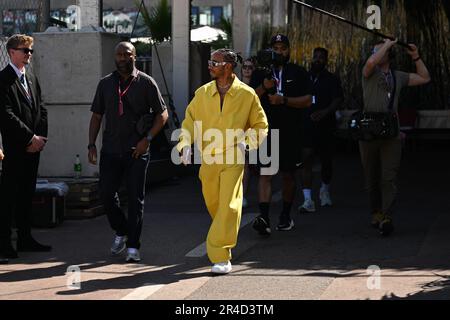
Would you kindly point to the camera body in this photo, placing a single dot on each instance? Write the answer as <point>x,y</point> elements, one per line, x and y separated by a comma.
<point>268,59</point>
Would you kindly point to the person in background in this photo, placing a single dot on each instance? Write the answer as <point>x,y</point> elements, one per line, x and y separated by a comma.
<point>282,97</point>
<point>248,67</point>
<point>319,126</point>
<point>381,157</point>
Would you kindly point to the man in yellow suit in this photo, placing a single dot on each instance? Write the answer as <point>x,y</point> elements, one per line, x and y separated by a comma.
<point>224,117</point>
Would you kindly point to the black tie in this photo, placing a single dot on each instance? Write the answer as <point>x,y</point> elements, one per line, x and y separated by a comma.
<point>22,80</point>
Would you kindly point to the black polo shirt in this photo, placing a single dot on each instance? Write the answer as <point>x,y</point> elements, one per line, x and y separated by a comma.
<point>143,97</point>
<point>326,88</point>
<point>295,83</point>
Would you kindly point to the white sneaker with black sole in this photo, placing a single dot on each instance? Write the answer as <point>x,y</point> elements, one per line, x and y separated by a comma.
<point>285,224</point>
<point>119,244</point>
<point>307,207</point>
<point>262,225</point>
<point>133,255</point>
<point>222,267</point>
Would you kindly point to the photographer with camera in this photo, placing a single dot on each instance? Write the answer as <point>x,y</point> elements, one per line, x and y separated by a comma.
<point>284,88</point>
<point>380,152</point>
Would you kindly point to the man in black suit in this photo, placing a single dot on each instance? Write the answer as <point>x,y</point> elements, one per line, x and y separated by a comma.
<point>23,126</point>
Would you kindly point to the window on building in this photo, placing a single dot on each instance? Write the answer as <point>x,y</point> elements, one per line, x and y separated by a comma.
<point>216,15</point>
<point>195,16</point>
<point>206,16</point>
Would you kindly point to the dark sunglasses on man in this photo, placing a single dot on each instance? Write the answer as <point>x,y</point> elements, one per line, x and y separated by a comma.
<point>247,67</point>
<point>25,50</point>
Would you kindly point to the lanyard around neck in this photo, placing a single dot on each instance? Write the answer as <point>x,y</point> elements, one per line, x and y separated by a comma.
<point>279,81</point>
<point>122,93</point>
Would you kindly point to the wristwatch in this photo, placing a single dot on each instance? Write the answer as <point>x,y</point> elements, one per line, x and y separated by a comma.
<point>90,146</point>
<point>149,137</point>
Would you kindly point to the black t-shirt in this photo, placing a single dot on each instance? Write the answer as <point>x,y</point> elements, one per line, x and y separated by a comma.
<point>326,88</point>
<point>295,83</point>
<point>143,97</point>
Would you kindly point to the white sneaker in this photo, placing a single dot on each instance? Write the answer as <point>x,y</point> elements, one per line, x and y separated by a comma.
<point>222,267</point>
<point>119,244</point>
<point>244,203</point>
<point>307,206</point>
<point>133,255</point>
<point>325,199</point>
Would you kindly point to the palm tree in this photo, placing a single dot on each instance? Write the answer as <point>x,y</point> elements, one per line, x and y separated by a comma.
<point>158,20</point>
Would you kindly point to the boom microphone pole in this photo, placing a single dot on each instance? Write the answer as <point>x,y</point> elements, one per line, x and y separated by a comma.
<point>350,23</point>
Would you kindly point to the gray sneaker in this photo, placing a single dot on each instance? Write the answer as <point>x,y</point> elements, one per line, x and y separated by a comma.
<point>133,255</point>
<point>119,244</point>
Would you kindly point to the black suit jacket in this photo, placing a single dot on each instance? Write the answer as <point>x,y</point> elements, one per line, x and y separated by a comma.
<point>20,118</point>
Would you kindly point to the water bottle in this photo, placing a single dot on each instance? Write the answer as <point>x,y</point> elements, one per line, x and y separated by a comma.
<point>77,167</point>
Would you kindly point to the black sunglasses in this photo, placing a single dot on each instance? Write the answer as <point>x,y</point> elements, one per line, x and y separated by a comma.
<point>247,66</point>
<point>25,50</point>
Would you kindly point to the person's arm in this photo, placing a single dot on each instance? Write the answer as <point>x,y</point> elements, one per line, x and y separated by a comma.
<point>11,124</point>
<point>332,108</point>
<point>293,102</point>
<point>303,89</point>
<point>265,86</point>
<point>258,125</point>
<point>97,109</point>
<point>260,90</point>
<point>338,99</point>
<point>298,102</point>
<point>186,138</point>
<point>144,143</point>
<point>94,128</point>
<point>260,84</point>
<point>159,123</point>
<point>422,76</point>
<point>2,156</point>
<point>376,58</point>
<point>43,123</point>
<point>156,100</point>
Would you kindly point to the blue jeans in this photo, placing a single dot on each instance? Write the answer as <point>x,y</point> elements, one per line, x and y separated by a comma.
<point>115,168</point>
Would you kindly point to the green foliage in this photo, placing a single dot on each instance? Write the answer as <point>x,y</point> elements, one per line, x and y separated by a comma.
<point>425,23</point>
<point>220,43</point>
<point>158,20</point>
<point>142,48</point>
<point>227,26</point>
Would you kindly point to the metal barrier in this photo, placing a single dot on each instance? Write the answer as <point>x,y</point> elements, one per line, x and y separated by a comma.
<point>20,16</point>
<point>3,54</point>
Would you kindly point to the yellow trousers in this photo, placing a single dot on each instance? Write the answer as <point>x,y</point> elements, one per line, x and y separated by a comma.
<point>222,190</point>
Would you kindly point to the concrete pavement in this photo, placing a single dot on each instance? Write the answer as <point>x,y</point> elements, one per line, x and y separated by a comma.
<point>326,256</point>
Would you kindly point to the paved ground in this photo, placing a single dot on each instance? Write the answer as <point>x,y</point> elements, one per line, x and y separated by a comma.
<point>326,256</point>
